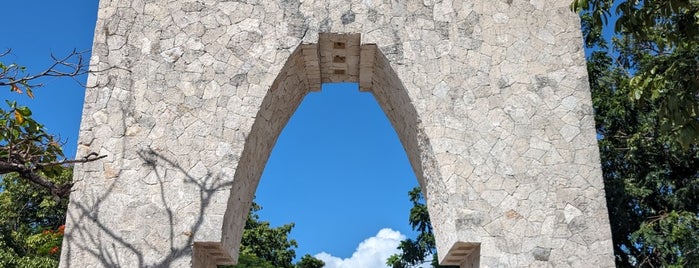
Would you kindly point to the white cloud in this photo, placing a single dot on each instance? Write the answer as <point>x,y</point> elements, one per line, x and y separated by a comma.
<point>371,253</point>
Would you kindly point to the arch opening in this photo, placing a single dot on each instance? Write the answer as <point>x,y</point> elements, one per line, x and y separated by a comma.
<point>338,162</point>
<point>335,58</point>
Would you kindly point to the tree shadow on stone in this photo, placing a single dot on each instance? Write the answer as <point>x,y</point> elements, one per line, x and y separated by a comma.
<point>115,248</point>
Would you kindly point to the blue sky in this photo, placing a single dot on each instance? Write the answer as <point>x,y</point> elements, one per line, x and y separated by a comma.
<point>338,170</point>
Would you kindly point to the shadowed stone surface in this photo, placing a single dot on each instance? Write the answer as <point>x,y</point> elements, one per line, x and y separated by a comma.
<point>187,98</point>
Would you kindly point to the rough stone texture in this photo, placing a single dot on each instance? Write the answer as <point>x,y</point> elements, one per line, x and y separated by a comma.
<point>489,98</point>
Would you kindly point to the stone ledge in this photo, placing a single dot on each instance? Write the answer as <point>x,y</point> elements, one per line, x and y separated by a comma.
<point>210,254</point>
<point>463,254</point>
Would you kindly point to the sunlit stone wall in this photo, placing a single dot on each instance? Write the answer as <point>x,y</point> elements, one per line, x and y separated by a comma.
<point>490,100</point>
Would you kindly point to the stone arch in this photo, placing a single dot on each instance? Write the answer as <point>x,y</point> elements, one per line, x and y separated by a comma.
<point>503,136</point>
<point>335,58</point>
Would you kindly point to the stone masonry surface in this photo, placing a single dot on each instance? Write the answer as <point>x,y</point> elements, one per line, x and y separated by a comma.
<point>187,98</point>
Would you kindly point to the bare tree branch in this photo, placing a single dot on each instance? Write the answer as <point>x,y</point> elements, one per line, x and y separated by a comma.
<point>89,158</point>
<point>72,65</point>
<point>32,172</point>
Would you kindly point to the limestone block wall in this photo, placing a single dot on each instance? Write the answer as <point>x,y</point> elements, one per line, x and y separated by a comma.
<point>187,97</point>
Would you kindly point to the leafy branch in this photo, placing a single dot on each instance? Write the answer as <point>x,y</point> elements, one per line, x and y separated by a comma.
<point>26,149</point>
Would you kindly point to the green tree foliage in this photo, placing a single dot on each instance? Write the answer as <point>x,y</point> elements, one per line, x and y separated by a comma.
<point>415,252</point>
<point>659,52</point>
<point>31,222</point>
<point>265,246</point>
<point>251,261</point>
<point>645,95</point>
<point>308,261</point>
<point>26,149</point>
<point>265,242</point>
<point>247,260</point>
<point>34,174</point>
